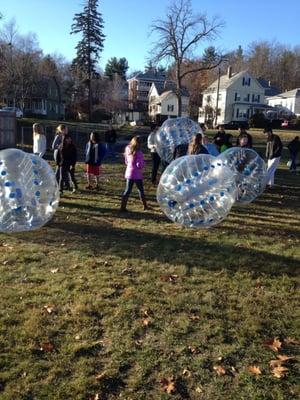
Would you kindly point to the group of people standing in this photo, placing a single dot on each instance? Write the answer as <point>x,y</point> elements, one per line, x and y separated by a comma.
<point>65,155</point>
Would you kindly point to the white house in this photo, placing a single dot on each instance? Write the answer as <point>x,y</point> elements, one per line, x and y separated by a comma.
<point>289,100</point>
<point>235,97</point>
<point>163,102</point>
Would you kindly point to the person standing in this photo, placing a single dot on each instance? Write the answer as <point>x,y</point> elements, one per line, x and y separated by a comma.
<point>94,155</point>
<point>294,147</point>
<point>227,144</point>
<point>196,145</point>
<point>110,139</point>
<point>66,159</point>
<point>134,160</point>
<point>39,140</point>
<point>273,154</point>
<point>243,132</point>
<point>154,155</point>
<point>219,138</point>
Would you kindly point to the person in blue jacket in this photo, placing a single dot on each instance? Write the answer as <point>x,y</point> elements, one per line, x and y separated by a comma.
<point>94,155</point>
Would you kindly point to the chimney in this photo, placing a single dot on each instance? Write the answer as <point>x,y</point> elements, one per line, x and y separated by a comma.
<point>229,72</point>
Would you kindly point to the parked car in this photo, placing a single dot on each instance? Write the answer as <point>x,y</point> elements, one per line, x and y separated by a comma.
<point>18,111</point>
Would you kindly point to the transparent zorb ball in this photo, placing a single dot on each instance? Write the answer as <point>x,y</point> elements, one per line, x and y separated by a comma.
<point>250,172</point>
<point>196,191</point>
<point>29,194</point>
<point>172,133</point>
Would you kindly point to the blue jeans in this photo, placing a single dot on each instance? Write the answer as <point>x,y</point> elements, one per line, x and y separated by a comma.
<point>129,186</point>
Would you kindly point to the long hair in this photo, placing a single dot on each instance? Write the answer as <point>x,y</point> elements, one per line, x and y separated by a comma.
<point>64,142</point>
<point>60,129</point>
<point>37,129</point>
<point>134,145</point>
<point>195,144</point>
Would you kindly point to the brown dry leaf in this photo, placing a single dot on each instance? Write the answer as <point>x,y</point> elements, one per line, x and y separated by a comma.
<point>283,357</point>
<point>168,385</point>
<point>273,344</point>
<point>48,347</point>
<point>253,369</point>
<point>54,270</point>
<point>290,340</point>
<point>186,372</point>
<point>169,278</point>
<point>146,321</point>
<point>219,370</point>
<point>279,372</point>
<point>100,376</point>
<point>194,317</point>
<point>49,309</point>
<point>95,397</point>
<point>198,390</point>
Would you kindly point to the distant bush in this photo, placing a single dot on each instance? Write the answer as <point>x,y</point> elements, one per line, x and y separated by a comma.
<point>100,115</point>
<point>258,120</point>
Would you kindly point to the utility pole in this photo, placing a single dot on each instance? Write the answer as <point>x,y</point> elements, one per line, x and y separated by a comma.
<point>217,102</point>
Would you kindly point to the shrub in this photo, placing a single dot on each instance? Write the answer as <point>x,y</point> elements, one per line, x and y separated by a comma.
<point>258,120</point>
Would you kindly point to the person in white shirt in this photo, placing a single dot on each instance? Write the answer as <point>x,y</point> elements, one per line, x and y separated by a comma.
<point>154,155</point>
<point>39,140</point>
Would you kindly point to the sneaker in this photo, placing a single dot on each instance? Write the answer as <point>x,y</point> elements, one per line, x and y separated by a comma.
<point>74,190</point>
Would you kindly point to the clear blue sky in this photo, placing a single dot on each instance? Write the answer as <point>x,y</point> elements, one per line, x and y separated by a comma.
<point>127,23</point>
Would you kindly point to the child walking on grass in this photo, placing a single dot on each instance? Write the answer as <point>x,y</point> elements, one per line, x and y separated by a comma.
<point>66,159</point>
<point>94,154</point>
<point>134,160</point>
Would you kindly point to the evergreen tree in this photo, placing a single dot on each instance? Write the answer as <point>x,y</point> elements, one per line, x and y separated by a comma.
<point>117,66</point>
<point>90,24</point>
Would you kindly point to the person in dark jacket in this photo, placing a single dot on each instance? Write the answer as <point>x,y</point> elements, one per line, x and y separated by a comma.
<point>243,132</point>
<point>273,154</point>
<point>94,155</point>
<point>110,139</point>
<point>219,138</point>
<point>294,147</point>
<point>227,142</point>
<point>66,159</point>
<point>196,145</point>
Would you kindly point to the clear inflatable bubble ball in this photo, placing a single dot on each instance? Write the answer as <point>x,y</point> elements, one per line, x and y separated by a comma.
<point>29,194</point>
<point>249,170</point>
<point>196,191</point>
<point>172,133</point>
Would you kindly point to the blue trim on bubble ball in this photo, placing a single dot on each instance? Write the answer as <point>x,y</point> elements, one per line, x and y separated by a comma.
<point>222,194</point>
<point>12,195</point>
<point>8,184</point>
<point>192,205</point>
<point>36,182</point>
<point>202,202</point>
<point>34,162</point>
<point>3,173</point>
<point>188,181</point>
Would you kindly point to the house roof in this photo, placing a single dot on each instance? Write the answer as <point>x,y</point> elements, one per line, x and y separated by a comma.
<point>225,81</point>
<point>168,87</point>
<point>290,93</point>
<point>270,90</point>
<point>151,75</point>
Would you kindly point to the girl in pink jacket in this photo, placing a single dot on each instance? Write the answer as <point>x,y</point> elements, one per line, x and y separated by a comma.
<point>134,160</point>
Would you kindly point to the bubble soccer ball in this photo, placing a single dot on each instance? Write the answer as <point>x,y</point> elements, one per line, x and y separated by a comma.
<point>249,170</point>
<point>29,193</point>
<point>196,191</point>
<point>173,132</point>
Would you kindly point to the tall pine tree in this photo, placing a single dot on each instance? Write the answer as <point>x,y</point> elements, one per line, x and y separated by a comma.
<point>90,24</point>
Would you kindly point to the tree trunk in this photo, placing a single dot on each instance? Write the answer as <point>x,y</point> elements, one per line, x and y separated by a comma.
<point>178,90</point>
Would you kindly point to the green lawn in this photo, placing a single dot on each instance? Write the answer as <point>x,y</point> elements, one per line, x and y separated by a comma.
<point>103,305</point>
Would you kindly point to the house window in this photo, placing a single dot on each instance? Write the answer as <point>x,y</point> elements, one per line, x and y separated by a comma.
<point>246,82</point>
<point>247,97</point>
<point>170,107</point>
<point>237,97</point>
<point>219,96</point>
<point>208,99</point>
<point>255,98</point>
<point>237,112</point>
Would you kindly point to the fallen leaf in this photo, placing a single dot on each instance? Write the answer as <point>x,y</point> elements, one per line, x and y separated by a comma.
<point>100,376</point>
<point>284,358</point>
<point>273,344</point>
<point>169,278</point>
<point>290,340</point>
<point>95,397</point>
<point>49,309</point>
<point>279,372</point>
<point>186,372</point>
<point>48,347</point>
<point>194,317</point>
<point>198,389</point>
<point>77,337</point>
<point>168,385</point>
<point>253,369</point>
<point>219,370</point>
<point>146,321</point>
<point>54,270</point>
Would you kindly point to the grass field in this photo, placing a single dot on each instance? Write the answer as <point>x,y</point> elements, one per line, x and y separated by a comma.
<point>104,305</point>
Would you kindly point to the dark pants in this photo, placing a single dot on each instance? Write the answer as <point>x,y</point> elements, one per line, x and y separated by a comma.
<point>293,156</point>
<point>62,173</point>
<point>155,165</point>
<point>73,179</point>
<point>129,186</point>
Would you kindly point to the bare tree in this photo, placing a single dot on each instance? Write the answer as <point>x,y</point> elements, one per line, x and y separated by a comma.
<point>179,35</point>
